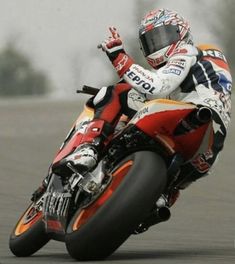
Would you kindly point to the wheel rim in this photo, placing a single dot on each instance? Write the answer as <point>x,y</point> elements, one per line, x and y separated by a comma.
<point>28,219</point>
<point>117,177</point>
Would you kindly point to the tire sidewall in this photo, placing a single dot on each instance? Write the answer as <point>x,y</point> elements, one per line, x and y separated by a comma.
<point>29,241</point>
<point>126,208</point>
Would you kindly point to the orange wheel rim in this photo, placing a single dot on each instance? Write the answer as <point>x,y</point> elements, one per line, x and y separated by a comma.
<point>117,177</point>
<point>28,219</point>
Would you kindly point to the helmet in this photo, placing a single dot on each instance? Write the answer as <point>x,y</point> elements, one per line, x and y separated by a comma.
<point>161,32</point>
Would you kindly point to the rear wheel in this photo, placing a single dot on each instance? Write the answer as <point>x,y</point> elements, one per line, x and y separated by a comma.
<point>99,229</point>
<point>29,234</point>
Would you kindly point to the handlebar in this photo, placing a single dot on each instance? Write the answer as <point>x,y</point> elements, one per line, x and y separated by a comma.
<point>88,90</point>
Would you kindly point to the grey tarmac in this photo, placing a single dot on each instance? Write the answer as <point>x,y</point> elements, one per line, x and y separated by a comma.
<point>202,226</point>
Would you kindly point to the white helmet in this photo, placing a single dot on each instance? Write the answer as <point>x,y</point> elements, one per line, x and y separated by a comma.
<point>161,32</point>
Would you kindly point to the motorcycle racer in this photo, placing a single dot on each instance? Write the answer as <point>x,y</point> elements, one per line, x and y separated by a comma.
<point>180,71</point>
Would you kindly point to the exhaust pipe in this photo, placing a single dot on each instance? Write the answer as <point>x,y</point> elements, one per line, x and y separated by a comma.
<point>204,115</point>
<point>162,214</point>
<point>195,119</point>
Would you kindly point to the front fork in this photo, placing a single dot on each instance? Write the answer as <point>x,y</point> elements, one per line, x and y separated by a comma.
<point>62,195</point>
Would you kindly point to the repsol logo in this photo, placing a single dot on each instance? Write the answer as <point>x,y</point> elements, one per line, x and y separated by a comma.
<point>215,54</point>
<point>140,82</point>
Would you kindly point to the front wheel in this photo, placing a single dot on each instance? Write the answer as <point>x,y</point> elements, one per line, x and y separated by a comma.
<point>29,234</point>
<point>96,231</point>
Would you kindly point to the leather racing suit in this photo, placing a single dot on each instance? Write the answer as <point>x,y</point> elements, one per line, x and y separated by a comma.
<point>198,75</point>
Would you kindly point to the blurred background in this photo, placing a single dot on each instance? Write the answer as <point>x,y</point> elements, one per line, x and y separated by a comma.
<point>50,47</point>
<point>48,50</point>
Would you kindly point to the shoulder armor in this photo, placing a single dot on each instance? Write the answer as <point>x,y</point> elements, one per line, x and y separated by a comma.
<point>208,50</point>
<point>208,47</point>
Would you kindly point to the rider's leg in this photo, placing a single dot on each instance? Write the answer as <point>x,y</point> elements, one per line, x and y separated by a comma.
<point>190,172</point>
<point>109,104</point>
<point>198,168</point>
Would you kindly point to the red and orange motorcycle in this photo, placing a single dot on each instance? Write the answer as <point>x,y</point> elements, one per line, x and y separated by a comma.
<point>96,212</point>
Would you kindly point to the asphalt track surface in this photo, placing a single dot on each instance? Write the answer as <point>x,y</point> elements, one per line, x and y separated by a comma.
<point>202,226</point>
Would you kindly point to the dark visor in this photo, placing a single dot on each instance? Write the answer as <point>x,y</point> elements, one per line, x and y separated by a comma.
<point>159,38</point>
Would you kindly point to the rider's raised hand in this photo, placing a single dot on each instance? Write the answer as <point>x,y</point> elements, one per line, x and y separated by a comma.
<point>113,47</point>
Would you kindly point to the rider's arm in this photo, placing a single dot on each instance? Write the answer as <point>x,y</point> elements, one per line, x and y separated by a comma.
<point>156,84</point>
<point>162,82</point>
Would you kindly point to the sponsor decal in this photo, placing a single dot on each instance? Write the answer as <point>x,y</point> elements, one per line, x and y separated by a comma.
<point>153,18</point>
<point>173,71</point>
<point>215,54</point>
<point>121,64</point>
<point>81,127</point>
<point>155,62</point>
<point>141,112</point>
<point>180,51</point>
<point>200,162</point>
<point>179,63</point>
<point>140,71</point>
<point>225,83</point>
<point>139,81</point>
<point>54,225</point>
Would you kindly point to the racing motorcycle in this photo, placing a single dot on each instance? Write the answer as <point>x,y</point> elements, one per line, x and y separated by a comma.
<point>93,213</point>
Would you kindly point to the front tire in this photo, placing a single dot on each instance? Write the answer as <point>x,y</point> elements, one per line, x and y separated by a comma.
<point>97,231</point>
<point>29,234</point>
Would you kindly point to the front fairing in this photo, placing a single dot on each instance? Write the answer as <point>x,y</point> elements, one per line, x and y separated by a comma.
<point>76,133</point>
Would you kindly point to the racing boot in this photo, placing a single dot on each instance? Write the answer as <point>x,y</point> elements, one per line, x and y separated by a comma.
<point>86,156</point>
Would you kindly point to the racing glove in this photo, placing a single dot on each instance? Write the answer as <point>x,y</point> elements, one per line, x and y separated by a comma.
<point>113,47</point>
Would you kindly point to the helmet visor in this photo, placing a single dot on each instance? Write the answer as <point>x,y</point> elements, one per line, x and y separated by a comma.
<point>159,38</point>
